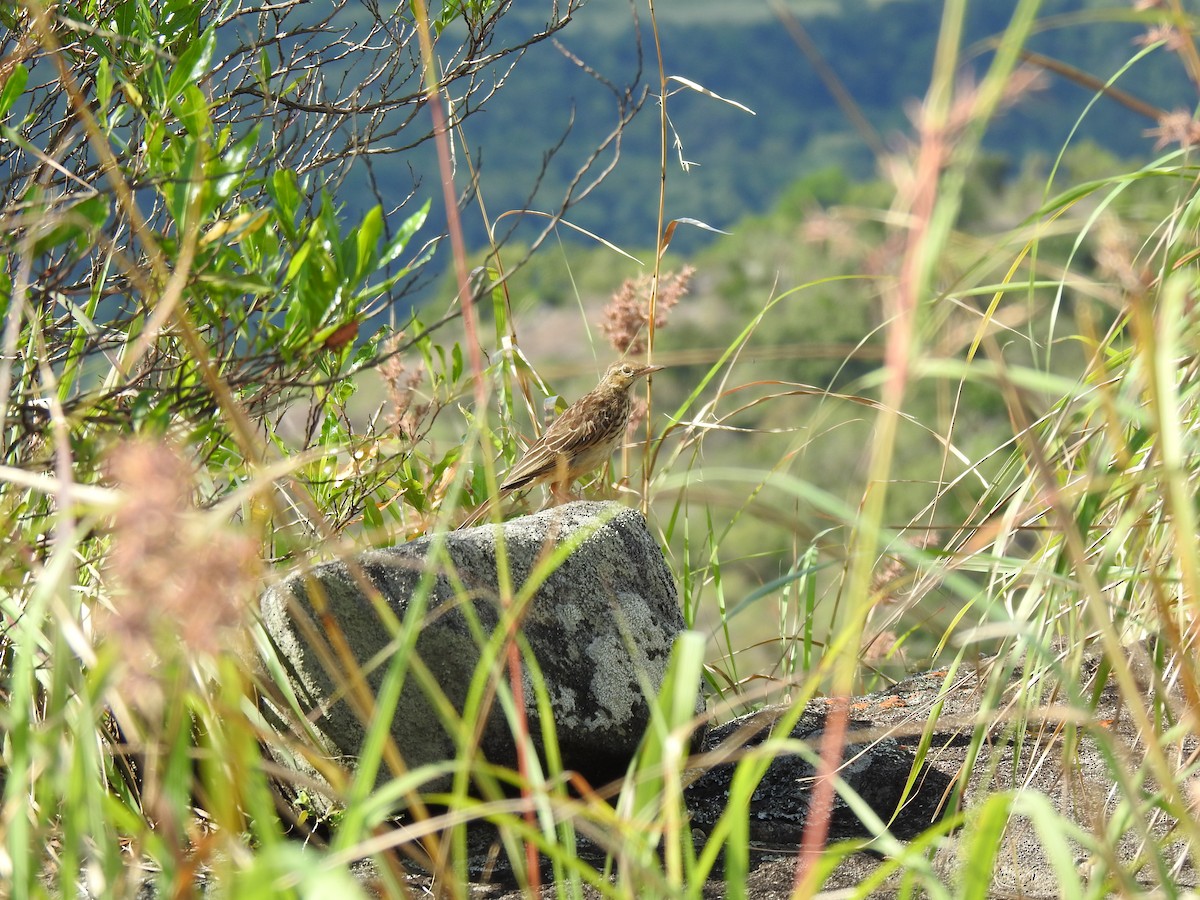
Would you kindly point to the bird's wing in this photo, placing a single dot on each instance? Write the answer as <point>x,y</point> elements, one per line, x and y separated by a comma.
<point>577,430</point>
<point>538,460</point>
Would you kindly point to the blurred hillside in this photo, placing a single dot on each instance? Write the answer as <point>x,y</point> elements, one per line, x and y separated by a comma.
<point>880,52</point>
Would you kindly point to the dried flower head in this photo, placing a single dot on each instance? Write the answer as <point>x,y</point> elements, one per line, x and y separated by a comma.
<point>890,579</point>
<point>1176,127</point>
<point>882,647</point>
<point>938,133</point>
<point>1116,256</point>
<point>628,313</point>
<point>637,415</point>
<point>179,584</point>
<point>406,415</point>
<point>1170,36</point>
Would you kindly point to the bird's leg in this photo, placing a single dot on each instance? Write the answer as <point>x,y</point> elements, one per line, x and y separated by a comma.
<point>560,482</point>
<point>560,492</point>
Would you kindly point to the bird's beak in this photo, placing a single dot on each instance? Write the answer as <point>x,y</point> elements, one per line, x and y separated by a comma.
<point>650,370</point>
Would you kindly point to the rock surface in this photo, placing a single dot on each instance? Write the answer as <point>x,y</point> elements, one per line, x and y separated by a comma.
<point>876,767</point>
<point>600,624</point>
<point>1076,780</point>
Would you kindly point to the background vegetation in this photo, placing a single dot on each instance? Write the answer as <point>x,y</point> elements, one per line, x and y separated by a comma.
<point>930,403</point>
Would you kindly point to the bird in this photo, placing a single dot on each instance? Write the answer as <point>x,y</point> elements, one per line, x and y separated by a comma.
<point>578,441</point>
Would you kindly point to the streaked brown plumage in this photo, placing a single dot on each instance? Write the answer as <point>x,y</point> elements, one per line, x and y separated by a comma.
<point>581,439</point>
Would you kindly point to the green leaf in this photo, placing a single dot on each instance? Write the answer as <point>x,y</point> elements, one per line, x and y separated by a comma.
<point>94,209</point>
<point>398,242</point>
<point>333,433</point>
<point>372,517</point>
<point>268,868</point>
<point>981,842</point>
<point>13,87</point>
<point>192,108</point>
<point>192,65</point>
<point>1057,833</point>
<point>190,180</point>
<point>251,283</point>
<point>233,165</point>
<point>175,22</point>
<point>338,253</point>
<point>150,413</point>
<point>367,239</point>
<point>344,390</point>
<point>297,262</point>
<point>453,455</point>
<point>283,190</point>
<point>657,795</point>
<point>104,83</point>
<point>674,708</point>
<point>78,223</point>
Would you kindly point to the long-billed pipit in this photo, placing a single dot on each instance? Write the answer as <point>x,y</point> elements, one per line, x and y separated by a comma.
<point>581,439</point>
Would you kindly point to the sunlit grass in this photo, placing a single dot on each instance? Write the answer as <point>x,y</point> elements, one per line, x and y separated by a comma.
<point>134,737</point>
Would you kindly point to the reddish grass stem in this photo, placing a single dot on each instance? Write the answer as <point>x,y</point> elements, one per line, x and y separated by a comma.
<point>474,352</point>
<point>820,807</point>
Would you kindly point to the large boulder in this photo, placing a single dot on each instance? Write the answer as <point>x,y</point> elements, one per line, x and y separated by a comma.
<point>600,624</point>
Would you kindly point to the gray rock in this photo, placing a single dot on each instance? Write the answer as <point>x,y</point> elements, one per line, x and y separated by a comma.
<point>876,767</point>
<point>600,625</point>
<point>1079,786</point>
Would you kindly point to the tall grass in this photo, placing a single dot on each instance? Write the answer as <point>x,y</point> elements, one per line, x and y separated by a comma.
<point>133,734</point>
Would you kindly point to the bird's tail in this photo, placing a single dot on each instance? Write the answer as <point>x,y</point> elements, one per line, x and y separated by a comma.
<point>477,514</point>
